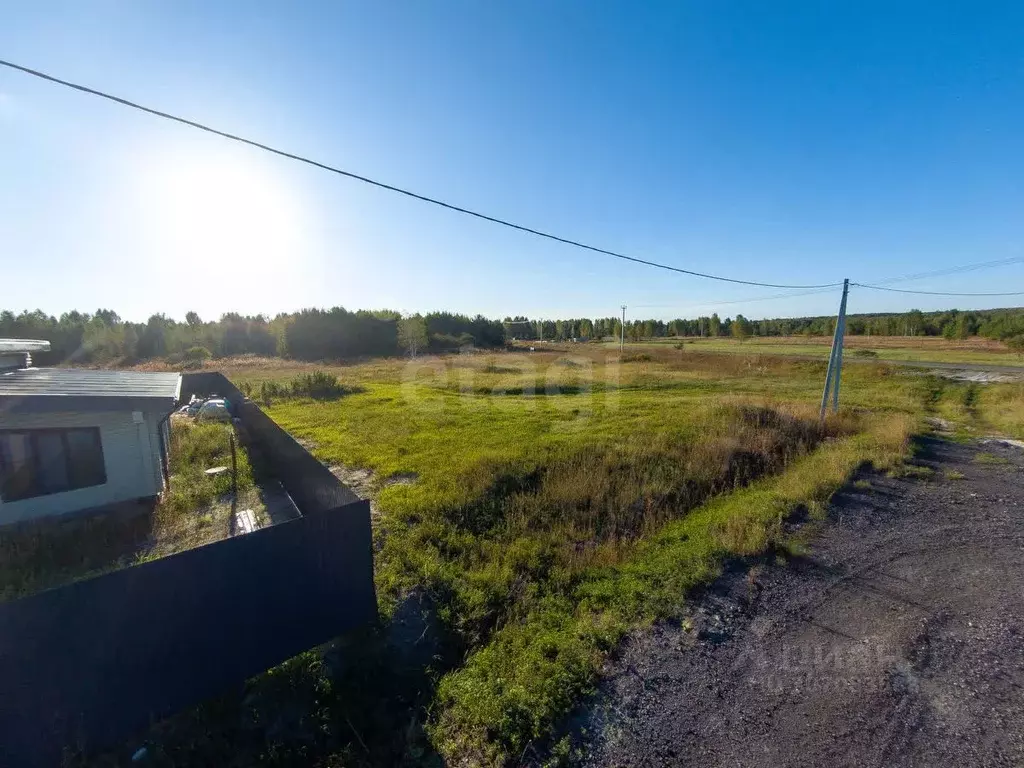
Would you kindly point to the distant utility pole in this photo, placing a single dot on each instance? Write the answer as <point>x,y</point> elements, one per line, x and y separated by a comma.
<point>542,330</point>
<point>622,330</point>
<point>835,360</point>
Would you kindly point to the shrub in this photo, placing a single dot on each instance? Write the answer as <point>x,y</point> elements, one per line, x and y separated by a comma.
<point>199,354</point>
<point>318,385</point>
<point>1016,343</point>
<point>194,357</point>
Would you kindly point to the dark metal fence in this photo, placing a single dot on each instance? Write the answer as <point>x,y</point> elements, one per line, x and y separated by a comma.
<point>85,665</point>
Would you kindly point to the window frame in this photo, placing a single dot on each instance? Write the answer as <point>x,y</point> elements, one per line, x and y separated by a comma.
<point>37,491</point>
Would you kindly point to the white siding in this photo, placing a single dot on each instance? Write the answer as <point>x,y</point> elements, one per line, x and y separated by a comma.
<point>131,455</point>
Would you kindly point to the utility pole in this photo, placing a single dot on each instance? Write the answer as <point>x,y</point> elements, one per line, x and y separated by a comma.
<point>622,330</point>
<point>835,360</point>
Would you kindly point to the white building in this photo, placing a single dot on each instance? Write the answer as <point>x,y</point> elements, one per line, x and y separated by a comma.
<point>75,440</point>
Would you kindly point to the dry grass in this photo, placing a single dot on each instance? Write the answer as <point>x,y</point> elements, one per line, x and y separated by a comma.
<point>892,348</point>
<point>973,344</point>
<point>34,558</point>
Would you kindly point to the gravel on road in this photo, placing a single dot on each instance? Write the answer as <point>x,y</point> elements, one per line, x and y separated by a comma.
<point>898,639</point>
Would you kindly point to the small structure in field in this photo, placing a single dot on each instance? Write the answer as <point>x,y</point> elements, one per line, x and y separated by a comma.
<point>77,440</point>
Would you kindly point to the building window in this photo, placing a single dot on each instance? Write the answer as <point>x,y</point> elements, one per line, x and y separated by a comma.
<point>37,462</point>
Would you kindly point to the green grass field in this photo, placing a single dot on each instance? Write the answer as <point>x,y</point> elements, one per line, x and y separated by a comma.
<point>537,507</point>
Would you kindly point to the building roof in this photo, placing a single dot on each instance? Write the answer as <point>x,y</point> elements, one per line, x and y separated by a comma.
<point>34,390</point>
<point>8,346</point>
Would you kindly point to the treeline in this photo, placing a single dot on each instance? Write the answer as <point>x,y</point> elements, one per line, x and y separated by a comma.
<point>335,334</point>
<point>311,334</point>
<point>1001,324</point>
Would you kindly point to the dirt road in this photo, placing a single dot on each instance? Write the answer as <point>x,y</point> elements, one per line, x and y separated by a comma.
<point>898,640</point>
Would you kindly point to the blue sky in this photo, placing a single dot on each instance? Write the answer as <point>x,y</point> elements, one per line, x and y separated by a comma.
<point>787,142</point>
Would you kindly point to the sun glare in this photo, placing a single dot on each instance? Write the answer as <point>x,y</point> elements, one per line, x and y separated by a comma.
<point>227,210</point>
<point>224,208</point>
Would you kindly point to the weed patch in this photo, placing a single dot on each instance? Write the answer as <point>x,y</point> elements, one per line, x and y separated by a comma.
<point>990,458</point>
<point>318,385</point>
<point>914,471</point>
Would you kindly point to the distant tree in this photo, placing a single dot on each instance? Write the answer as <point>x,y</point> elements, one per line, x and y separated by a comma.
<point>130,342</point>
<point>193,319</point>
<point>108,317</point>
<point>153,340</point>
<point>914,323</point>
<point>714,325</point>
<point>412,334</point>
<point>740,327</point>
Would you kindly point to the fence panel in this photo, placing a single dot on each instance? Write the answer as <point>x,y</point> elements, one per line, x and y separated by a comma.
<point>87,664</point>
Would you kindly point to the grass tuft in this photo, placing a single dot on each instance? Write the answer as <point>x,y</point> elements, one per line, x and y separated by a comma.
<point>990,458</point>
<point>912,471</point>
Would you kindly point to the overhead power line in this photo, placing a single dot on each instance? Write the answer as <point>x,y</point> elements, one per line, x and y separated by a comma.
<point>701,304</point>
<point>935,293</point>
<point>392,188</point>
<point>951,270</point>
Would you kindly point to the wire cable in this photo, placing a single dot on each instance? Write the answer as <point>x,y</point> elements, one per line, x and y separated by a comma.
<point>392,188</point>
<point>952,270</point>
<point>735,301</point>
<point>935,293</point>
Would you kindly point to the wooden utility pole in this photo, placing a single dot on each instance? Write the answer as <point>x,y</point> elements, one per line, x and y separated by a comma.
<point>622,330</point>
<point>835,360</point>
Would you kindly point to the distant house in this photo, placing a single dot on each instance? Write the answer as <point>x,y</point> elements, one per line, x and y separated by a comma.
<point>75,440</point>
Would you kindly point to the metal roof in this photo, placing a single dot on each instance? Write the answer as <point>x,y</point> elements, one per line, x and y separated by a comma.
<point>23,345</point>
<point>32,390</point>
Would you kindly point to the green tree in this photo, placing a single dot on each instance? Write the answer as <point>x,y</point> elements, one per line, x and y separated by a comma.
<point>153,341</point>
<point>130,342</point>
<point>412,334</point>
<point>714,325</point>
<point>740,327</point>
